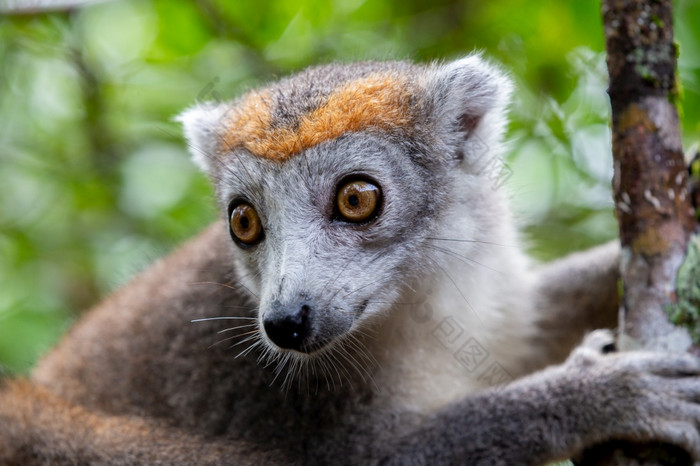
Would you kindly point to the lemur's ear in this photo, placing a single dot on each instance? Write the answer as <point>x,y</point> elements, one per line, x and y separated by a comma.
<point>201,124</point>
<point>469,98</point>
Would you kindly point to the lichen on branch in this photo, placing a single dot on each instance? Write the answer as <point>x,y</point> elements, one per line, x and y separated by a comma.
<point>686,311</point>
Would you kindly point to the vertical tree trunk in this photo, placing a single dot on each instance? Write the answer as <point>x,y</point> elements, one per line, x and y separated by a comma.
<point>650,188</point>
<point>650,181</point>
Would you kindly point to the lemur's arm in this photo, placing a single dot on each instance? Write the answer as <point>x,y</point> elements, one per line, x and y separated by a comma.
<point>556,413</point>
<point>576,294</point>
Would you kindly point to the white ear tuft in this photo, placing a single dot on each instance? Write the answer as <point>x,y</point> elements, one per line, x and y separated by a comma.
<point>201,124</point>
<point>469,101</point>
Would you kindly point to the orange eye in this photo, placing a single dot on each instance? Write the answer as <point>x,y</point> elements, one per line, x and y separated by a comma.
<point>245,224</point>
<point>358,201</point>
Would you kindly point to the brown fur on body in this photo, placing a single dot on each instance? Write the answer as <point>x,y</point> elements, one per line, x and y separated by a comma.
<point>42,428</point>
<point>136,383</point>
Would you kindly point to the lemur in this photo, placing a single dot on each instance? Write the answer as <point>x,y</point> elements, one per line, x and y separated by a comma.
<point>364,300</point>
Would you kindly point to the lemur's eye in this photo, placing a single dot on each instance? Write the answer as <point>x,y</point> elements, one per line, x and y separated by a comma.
<point>245,224</point>
<point>358,200</point>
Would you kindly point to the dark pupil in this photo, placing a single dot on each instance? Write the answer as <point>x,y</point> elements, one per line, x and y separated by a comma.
<point>245,223</point>
<point>353,200</point>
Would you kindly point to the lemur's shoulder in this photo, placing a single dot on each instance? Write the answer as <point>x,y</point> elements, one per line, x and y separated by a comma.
<point>139,334</point>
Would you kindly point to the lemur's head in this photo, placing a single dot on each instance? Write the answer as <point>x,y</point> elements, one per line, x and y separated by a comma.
<point>332,183</point>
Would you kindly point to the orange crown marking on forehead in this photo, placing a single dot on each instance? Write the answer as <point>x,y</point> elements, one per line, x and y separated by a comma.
<point>382,101</point>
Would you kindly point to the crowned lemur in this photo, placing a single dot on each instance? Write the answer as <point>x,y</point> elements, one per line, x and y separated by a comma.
<point>364,300</point>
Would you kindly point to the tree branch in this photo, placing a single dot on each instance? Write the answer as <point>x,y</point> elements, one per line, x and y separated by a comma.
<point>650,187</point>
<point>650,182</point>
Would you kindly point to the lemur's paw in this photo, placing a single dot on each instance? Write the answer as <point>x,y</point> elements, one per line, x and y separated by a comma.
<point>656,397</point>
<point>600,341</point>
<point>595,344</point>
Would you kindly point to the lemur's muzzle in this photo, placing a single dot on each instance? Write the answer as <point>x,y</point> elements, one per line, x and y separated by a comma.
<point>288,326</point>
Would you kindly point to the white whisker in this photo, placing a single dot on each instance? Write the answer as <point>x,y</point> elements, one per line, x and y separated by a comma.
<point>456,240</point>
<point>237,327</point>
<point>233,337</point>
<point>251,336</point>
<point>462,258</point>
<point>250,348</point>
<point>206,319</point>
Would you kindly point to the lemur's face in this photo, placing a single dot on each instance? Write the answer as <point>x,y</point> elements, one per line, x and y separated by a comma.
<point>332,182</point>
<point>328,238</point>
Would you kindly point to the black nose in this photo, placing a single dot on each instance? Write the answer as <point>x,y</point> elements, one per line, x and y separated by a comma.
<point>288,329</point>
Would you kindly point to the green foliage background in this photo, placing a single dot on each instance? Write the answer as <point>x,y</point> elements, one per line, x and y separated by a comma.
<point>95,182</point>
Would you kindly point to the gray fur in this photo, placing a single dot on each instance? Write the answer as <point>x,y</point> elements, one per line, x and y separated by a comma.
<point>141,379</point>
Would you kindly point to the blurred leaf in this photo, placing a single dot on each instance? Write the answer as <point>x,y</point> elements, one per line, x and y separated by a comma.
<point>182,30</point>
